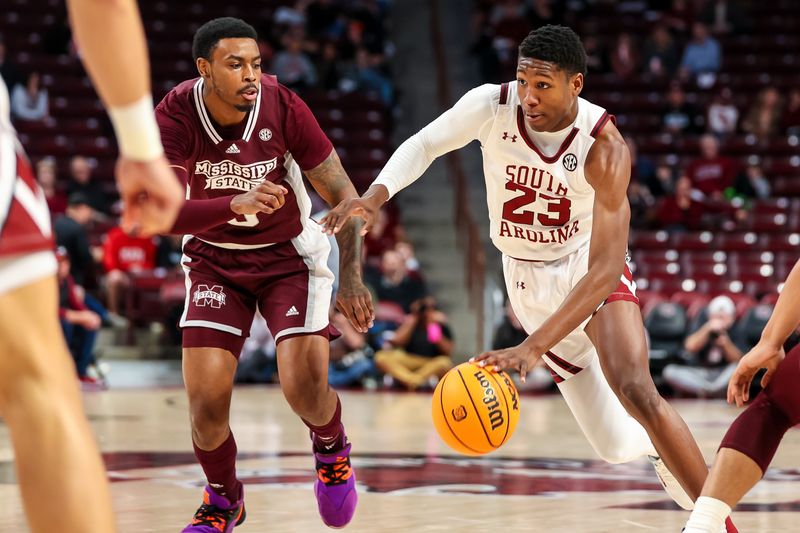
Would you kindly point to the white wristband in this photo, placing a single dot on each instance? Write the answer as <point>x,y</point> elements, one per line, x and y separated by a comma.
<point>136,130</point>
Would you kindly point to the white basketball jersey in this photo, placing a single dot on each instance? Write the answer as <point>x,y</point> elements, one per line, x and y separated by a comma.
<point>540,205</point>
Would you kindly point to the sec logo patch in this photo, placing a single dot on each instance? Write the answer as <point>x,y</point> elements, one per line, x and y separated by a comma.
<point>570,162</point>
<point>265,134</point>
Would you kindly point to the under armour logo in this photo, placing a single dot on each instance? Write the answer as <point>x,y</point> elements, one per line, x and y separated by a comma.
<point>506,136</point>
<point>521,285</point>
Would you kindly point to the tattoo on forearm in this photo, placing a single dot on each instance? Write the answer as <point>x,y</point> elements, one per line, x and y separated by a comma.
<point>330,180</point>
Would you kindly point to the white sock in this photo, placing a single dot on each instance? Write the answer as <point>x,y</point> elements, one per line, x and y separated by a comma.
<point>708,516</point>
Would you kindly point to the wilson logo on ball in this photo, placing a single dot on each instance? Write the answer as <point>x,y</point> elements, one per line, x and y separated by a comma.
<point>490,400</point>
<point>460,413</point>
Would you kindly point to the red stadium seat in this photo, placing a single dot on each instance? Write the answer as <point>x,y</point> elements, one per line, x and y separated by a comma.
<point>693,302</point>
<point>694,240</point>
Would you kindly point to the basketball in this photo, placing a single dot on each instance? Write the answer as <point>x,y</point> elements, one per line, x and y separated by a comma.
<point>475,410</point>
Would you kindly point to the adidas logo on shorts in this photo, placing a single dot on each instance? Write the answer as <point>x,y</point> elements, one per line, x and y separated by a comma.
<point>232,149</point>
<point>292,311</point>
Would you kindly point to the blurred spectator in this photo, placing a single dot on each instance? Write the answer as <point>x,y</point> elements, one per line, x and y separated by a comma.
<point>46,175</point>
<point>752,183</point>
<point>8,70</point>
<point>364,75</point>
<point>663,182</point>
<point>710,352</point>
<point>30,102</point>
<point>661,55</point>
<point>702,54</point>
<point>679,116</point>
<point>168,252</point>
<point>82,181</point>
<point>70,231</point>
<point>421,347</point>
<point>80,325</point>
<point>508,20</point>
<point>643,169</point>
<point>679,17</point>
<point>723,16</point>
<point>350,360</point>
<point>328,66</point>
<point>680,212</point>
<point>722,115</point>
<point>323,19</point>
<point>624,57</point>
<point>595,55</point>
<point>123,255</point>
<point>542,12</point>
<point>641,202</point>
<point>510,333</point>
<point>258,362</point>
<point>393,283</point>
<point>406,251</point>
<point>764,118</point>
<point>379,239</point>
<point>711,173</point>
<point>292,66</point>
<point>790,123</point>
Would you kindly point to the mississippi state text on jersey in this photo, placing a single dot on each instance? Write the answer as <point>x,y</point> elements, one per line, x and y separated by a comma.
<point>278,137</point>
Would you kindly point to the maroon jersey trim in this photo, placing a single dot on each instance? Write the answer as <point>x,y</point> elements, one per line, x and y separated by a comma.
<point>504,94</point>
<point>523,131</point>
<point>602,122</point>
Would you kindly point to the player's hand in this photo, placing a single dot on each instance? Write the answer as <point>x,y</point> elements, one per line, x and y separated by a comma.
<point>151,196</point>
<point>761,356</point>
<point>366,208</point>
<point>520,358</point>
<point>267,198</point>
<point>354,301</point>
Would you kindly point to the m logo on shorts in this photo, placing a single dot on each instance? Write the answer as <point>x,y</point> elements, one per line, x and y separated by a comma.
<point>213,296</point>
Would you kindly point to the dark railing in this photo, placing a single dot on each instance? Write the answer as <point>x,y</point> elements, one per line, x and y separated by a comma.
<point>468,234</point>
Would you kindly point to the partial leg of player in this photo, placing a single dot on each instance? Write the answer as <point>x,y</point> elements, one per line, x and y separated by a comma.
<point>63,482</point>
<point>303,367</point>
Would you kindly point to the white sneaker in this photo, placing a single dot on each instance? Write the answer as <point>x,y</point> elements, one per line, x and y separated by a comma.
<point>670,484</point>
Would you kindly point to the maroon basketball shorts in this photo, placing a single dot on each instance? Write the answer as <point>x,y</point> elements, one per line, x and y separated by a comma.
<point>289,282</point>
<point>758,431</point>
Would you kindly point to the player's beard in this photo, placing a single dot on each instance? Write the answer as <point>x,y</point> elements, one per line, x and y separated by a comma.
<point>244,108</point>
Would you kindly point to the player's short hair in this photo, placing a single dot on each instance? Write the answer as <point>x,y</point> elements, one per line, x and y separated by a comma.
<point>210,33</point>
<point>556,44</point>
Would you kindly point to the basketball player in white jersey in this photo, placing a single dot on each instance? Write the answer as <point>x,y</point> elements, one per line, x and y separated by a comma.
<point>60,472</point>
<point>557,173</point>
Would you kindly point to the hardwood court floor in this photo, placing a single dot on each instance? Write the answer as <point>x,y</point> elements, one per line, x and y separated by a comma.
<point>545,479</point>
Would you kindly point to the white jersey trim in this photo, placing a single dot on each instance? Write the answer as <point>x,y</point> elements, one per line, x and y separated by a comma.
<point>208,126</point>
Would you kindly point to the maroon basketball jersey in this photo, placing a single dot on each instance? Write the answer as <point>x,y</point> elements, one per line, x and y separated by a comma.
<point>277,138</point>
<point>24,216</point>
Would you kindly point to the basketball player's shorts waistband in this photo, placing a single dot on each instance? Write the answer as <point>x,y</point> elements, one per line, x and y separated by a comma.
<point>236,246</point>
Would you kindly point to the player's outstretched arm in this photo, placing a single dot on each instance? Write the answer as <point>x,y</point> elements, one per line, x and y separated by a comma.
<point>466,121</point>
<point>111,39</point>
<point>353,299</point>
<point>768,353</point>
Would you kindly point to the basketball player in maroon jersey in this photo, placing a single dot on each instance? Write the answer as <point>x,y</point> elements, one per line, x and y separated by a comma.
<point>752,440</point>
<point>239,140</point>
<point>61,475</point>
<point>583,168</point>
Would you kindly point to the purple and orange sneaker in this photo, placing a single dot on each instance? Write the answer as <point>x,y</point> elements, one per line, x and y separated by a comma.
<point>335,487</point>
<point>217,514</point>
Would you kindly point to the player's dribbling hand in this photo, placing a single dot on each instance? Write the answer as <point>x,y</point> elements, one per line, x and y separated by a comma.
<point>267,198</point>
<point>761,356</point>
<point>151,196</point>
<point>354,301</point>
<point>519,358</point>
<point>365,208</point>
